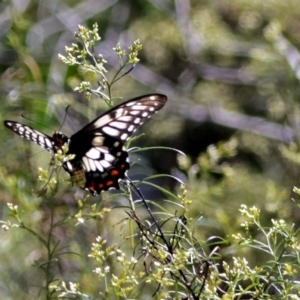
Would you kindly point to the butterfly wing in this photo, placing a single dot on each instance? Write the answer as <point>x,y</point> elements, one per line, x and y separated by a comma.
<point>99,146</point>
<point>122,120</point>
<point>31,134</point>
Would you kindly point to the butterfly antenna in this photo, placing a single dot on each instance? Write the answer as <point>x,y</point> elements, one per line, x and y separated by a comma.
<point>124,74</point>
<point>36,122</point>
<point>65,117</point>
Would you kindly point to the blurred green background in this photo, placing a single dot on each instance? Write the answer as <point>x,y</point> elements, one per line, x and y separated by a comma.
<point>230,70</point>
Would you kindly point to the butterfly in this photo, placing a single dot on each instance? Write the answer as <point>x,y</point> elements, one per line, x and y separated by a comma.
<point>101,159</point>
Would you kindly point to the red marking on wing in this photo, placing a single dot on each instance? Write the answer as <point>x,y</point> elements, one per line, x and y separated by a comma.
<point>114,172</point>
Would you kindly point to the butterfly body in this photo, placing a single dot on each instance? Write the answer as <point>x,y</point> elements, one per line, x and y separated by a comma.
<point>101,159</point>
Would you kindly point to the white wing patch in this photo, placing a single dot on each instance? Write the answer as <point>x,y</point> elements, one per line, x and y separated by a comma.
<point>119,125</point>
<point>139,107</point>
<point>135,112</point>
<point>124,136</point>
<point>98,141</point>
<point>126,118</point>
<point>93,153</point>
<point>103,149</point>
<point>99,166</point>
<point>102,121</point>
<point>109,157</point>
<point>130,128</point>
<point>110,131</point>
<point>48,142</point>
<point>105,164</point>
<point>85,161</point>
<point>92,165</point>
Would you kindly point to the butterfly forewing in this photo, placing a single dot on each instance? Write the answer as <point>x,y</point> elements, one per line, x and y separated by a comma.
<point>31,134</point>
<point>101,159</point>
<point>123,120</point>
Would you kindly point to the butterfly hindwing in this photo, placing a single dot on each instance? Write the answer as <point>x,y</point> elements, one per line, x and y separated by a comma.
<point>101,159</point>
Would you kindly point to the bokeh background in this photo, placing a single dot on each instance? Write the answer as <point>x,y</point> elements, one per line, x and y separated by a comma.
<point>229,69</point>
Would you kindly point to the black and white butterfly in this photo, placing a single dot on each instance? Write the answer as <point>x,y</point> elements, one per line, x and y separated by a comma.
<point>101,159</point>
